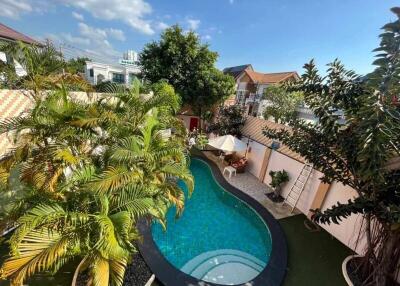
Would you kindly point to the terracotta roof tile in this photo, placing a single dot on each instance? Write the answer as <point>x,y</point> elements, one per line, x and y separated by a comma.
<point>10,34</point>
<point>270,77</point>
<point>253,128</point>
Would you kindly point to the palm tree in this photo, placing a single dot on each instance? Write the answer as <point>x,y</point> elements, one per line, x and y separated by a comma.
<point>44,65</point>
<point>89,171</point>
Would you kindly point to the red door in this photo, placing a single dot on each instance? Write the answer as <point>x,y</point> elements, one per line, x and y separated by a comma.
<point>194,123</point>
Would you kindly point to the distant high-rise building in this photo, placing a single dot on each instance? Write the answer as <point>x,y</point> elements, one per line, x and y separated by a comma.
<point>130,55</point>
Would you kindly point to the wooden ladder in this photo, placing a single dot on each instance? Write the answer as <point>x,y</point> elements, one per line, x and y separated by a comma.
<point>298,187</point>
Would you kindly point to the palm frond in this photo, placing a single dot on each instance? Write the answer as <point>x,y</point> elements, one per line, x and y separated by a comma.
<point>39,251</point>
<point>114,178</point>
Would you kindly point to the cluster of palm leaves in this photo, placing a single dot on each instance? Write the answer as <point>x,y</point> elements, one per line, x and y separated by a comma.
<point>43,64</point>
<point>88,170</point>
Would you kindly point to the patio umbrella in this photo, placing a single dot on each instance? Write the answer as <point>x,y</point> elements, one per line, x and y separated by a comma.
<point>227,143</point>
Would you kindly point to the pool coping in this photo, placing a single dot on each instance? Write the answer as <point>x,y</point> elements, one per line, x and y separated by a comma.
<point>272,275</point>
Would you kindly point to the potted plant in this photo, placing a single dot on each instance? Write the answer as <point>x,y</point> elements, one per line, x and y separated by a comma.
<point>278,179</point>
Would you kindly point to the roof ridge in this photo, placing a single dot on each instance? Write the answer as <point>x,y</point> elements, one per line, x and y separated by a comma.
<point>19,33</point>
<point>268,73</point>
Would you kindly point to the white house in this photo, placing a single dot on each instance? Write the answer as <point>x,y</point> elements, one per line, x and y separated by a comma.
<point>124,72</point>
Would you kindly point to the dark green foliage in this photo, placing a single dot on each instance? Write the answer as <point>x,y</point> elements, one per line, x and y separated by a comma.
<point>229,121</point>
<point>358,152</point>
<point>283,104</point>
<point>186,64</point>
<point>76,65</point>
<point>278,178</point>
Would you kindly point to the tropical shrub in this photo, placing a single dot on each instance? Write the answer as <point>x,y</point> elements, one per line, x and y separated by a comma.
<point>278,179</point>
<point>357,153</point>
<point>76,65</point>
<point>282,105</point>
<point>202,141</point>
<point>89,170</point>
<point>43,64</point>
<point>229,121</point>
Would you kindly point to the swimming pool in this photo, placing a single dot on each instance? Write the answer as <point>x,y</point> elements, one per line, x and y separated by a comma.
<point>219,238</point>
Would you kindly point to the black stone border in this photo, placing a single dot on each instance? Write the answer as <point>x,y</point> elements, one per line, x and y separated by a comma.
<point>272,275</point>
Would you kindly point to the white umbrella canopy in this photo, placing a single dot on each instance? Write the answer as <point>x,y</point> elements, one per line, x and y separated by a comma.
<point>228,143</point>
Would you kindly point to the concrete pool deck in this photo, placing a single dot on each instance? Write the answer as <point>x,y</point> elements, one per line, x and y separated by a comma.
<point>250,185</point>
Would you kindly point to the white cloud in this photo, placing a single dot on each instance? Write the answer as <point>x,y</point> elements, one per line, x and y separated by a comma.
<point>206,37</point>
<point>75,40</point>
<point>91,32</point>
<point>162,26</point>
<point>77,16</point>
<point>68,38</point>
<point>91,42</point>
<point>132,12</point>
<point>13,9</point>
<point>100,34</point>
<point>116,34</point>
<point>193,23</point>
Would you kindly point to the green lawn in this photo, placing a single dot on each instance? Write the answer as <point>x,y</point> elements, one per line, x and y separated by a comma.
<point>314,258</point>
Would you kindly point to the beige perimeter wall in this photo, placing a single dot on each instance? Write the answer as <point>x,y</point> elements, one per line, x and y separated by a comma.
<point>349,229</point>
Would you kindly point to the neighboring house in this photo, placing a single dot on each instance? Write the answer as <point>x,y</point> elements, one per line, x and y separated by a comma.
<point>8,34</point>
<point>235,72</point>
<point>124,72</point>
<point>250,86</point>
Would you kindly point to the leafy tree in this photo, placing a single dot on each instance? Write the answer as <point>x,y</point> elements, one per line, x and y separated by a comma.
<point>282,105</point>
<point>357,152</point>
<point>89,170</point>
<point>77,65</point>
<point>229,121</point>
<point>186,64</point>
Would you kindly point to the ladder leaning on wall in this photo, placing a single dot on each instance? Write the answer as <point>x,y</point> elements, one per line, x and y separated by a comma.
<point>298,187</point>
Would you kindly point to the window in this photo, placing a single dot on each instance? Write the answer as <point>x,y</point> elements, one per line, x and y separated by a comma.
<point>91,73</point>
<point>118,78</point>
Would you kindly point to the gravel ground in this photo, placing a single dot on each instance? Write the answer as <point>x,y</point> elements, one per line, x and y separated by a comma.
<point>137,273</point>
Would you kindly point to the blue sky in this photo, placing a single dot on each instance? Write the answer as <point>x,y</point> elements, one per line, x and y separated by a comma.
<point>272,35</point>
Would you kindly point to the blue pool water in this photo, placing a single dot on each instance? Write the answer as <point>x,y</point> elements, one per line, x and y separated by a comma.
<point>218,238</point>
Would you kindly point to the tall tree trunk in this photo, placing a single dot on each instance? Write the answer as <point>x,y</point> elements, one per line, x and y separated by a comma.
<point>388,261</point>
